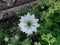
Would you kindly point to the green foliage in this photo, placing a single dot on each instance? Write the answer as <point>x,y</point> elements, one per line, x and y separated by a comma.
<point>48,2</point>
<point>49,38</point>
<point>37,43</point>
<point>57,19</point>
<point>26,42</point>
<point>13,41</point>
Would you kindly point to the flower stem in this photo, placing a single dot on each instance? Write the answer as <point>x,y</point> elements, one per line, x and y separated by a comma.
<point>49,43</point>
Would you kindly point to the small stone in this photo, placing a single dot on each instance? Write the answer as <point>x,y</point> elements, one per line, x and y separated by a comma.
<point>42,7</point>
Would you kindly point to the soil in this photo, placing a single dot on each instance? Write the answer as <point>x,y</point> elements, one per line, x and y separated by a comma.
<point>3,5</point>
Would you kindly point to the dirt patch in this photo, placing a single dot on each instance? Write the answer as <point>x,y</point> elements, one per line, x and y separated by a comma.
<point>10,4</point>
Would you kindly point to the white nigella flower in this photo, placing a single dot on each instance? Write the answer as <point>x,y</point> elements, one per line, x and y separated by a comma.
<point>28,23</point>
<point>6,39</point>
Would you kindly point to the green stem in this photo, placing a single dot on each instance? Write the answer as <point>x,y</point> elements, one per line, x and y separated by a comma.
<point>49,43</point>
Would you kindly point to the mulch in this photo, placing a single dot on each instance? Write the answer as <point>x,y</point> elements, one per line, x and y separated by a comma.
<point>3,5</point>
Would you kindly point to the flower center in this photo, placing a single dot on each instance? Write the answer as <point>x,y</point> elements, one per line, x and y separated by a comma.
<point>29,24</point>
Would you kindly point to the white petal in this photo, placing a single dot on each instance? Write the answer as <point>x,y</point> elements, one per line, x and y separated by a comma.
<point>29,32</point>
<point>36,25</point>
<point>22,19</point>
<point>32,16</point>
<point>35,20</point>
<point>28,13</point>
<point>33,29</point>
<point>21,25</point>
<point>28,17</point>
<point>24,29</point>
